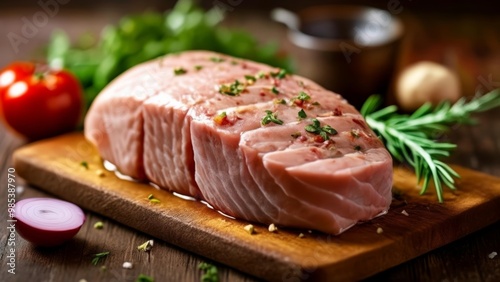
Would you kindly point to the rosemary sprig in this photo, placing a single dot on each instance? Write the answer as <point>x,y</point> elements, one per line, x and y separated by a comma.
<point>411,138</point>
<point>97,257</point>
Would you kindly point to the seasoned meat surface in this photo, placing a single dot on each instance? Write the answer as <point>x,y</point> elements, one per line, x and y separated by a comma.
<point>253,141</point>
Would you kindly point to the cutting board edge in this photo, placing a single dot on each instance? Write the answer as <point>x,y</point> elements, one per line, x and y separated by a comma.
<point>367,272</point>
<point>300,269</point>
<point>26,166</point>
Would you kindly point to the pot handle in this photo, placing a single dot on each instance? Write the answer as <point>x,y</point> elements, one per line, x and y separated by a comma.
<point>289,18</point>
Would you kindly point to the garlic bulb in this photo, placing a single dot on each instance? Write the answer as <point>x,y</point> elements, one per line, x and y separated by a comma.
<point>426,82</point>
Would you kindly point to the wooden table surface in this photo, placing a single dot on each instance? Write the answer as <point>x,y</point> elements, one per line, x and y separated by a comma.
<point>478,148</point>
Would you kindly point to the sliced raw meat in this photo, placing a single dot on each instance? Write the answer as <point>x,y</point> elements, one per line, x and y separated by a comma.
<point>290,176</point>
<point>251,140</point>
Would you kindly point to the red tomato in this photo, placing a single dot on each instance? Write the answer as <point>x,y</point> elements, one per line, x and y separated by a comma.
<point>39,105</point>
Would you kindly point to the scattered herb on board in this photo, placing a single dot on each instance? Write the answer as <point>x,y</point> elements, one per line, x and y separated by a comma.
<point>210,272</point>
<point>411,138</point>
<point>249,228</point>
<point>98,225</point>
<point>98,257</point>
<point>144,278</point>
<point>146,246</point>
<point>84,164</point>
<point>97,59</point>
<point>271,117</point>
<point>272,228</point>
<point>151,198</point>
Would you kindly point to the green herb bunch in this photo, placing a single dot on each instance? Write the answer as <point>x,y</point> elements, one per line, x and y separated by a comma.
<point>136,39</point>
<point>410,138</point>
<point>210,272</point>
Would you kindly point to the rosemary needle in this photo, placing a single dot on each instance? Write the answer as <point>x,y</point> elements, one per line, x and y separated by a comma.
<point>98,257</point>
<point>411,138</point>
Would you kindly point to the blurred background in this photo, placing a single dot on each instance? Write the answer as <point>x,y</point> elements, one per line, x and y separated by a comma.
<point>461,35</point>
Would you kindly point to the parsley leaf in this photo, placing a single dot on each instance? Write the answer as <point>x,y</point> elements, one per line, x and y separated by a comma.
<point>271,117</point>
<point>324,131</point>
<point>233,89</point>
<point>302,114</point>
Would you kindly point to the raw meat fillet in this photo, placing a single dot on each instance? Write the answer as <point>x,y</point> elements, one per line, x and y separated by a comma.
<point>167,122</point>
<point>115,123</point>
<point>290,176</point>
<point>251,140</point>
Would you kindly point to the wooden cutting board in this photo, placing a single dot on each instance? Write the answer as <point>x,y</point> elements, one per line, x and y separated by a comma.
<point>54,165</point>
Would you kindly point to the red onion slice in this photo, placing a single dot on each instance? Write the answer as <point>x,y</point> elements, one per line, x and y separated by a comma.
<point>47,222</point>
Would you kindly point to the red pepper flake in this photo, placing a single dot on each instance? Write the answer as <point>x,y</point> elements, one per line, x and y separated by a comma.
<point>221,119</point>
<point>302,99</point>
<point>318,139</point>
<point>299,103</point>
<point>302,138</point>
<point>262,94</point>
<point>337,112</point>
<point>359,122</point>
<point>262,75</point>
